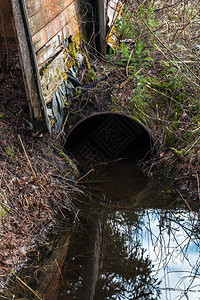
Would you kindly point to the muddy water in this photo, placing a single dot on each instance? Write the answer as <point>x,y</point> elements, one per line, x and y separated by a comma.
<point>136,240</point>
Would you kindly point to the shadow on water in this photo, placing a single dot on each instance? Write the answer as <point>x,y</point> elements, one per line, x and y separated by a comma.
<point>135,240</point>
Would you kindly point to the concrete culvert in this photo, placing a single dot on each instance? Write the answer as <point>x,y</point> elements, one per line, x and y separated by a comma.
<point>107,136</point>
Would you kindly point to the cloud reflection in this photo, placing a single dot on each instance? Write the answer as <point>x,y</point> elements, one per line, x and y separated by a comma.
<point>172,245</point>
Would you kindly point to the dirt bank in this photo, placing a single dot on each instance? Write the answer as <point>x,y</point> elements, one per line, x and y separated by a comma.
<point>36,179</point>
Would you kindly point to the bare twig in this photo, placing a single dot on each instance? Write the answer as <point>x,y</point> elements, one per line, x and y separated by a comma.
<point>85,175</point>
<point>28,287</point>
<point>34,174</point>
<point>192,145</point>
<point>127,65</point>
<point>130,78</point>
<point>198,187</point>
<point>188,206</point>
<point>172,53</point>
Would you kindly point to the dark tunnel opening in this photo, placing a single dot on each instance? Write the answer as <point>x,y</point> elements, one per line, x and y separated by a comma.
<point>107,136</point>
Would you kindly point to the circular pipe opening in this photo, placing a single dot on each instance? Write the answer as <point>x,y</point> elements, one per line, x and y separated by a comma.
<point>109,136</point>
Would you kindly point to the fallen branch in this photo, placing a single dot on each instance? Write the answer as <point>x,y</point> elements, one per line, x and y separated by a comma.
<point>28,287</point>
<point>34,174</point>
<point>188,206</point>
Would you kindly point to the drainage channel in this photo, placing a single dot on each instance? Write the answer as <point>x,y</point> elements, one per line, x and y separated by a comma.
<point>133,239</point>
<point>136,240</point>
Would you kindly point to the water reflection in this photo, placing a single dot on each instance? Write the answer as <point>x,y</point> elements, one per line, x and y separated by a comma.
<point>135,249</point>
<point>135,240</point>
<point>171,241</point>
<point>146,254</point>
<point>117,182</point>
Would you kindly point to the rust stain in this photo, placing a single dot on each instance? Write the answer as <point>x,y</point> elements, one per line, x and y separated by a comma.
<point>32,6</point>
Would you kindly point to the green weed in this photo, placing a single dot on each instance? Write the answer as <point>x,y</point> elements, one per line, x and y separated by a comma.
<point>3,212</point>
<point>10,152</point>
<point>162,85</point>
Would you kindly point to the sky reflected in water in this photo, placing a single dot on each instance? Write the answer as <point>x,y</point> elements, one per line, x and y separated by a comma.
<point>133,240</point>
<point>141,241</point>
<point>171,241</point>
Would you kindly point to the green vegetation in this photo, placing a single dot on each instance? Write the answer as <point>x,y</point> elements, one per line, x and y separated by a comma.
<point>158,57</point>
<point>3,212</point>
<point>10,152</point>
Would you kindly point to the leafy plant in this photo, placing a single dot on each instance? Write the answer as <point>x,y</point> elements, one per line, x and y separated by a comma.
<point>132,48</point>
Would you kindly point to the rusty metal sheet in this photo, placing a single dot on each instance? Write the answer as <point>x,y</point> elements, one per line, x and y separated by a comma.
<point>47,41</point>
<point>43,30</point>
<point>34,6</point>
<point>48,26</point>
<point>50,22</point>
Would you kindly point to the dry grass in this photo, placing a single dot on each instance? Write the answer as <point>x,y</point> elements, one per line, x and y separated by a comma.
<point>36,182</point>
